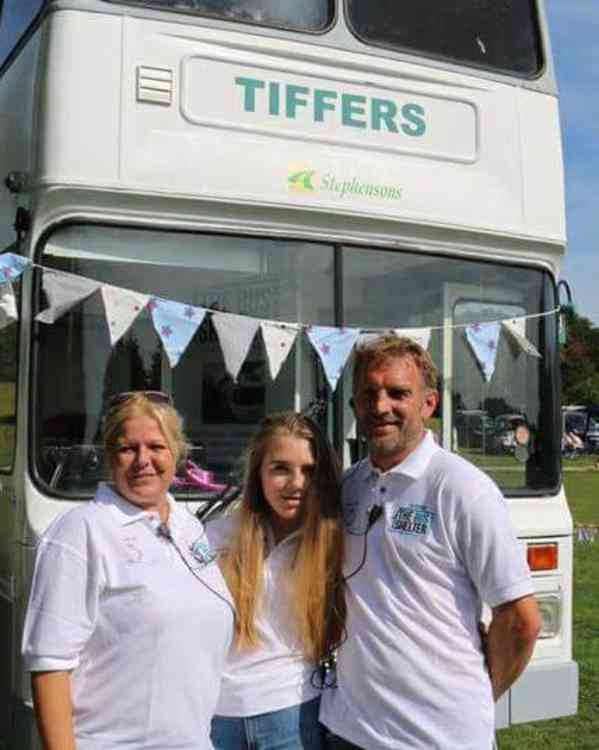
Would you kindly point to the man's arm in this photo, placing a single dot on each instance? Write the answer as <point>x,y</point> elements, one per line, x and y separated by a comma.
<point>53,709</point>
<point>511,639</point>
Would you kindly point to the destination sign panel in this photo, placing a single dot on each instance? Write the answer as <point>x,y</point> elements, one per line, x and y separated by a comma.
<point>272,101</point>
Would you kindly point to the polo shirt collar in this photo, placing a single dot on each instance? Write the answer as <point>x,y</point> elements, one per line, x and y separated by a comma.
<point>124,512</point>
<point>269,537</point>
<point>414,465</point>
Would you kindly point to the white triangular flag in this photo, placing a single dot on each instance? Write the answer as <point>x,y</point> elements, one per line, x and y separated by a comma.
<point>175,324</point>
<point>333,346</point>
<point>235,333</point>
<point>278,341</point>
<point>421,336</point>
<point>483,339</point>
<point>8,305</point>
<point>516,327</point>
<point>63,291</point>
<point>122,307</point>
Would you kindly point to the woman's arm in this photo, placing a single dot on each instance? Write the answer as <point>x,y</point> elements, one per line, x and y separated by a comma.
<point>53,709</point>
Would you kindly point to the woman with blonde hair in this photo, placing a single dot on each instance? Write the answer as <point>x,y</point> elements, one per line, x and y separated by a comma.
<point>281,553</point>
<point>129,620</point>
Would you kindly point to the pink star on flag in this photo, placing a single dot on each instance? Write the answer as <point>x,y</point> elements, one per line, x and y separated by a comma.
<point>325,348</point>
<point>166,331</point>
<point>476,327</point>
<point>188,312</point>
<point>152,305</point>
<point>491,345</point>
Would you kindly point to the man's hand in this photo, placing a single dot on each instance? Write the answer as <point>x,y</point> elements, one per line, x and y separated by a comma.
<point>510,641</point>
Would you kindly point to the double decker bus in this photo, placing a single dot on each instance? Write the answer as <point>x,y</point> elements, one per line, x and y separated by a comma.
<point>336,163</point>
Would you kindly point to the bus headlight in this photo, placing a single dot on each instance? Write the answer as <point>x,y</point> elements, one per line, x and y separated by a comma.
<point>550,608</point>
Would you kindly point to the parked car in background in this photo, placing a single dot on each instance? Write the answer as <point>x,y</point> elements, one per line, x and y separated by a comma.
<point>592,433</point>
<point>584,423</point>
<point>475,430</point>
<point>506,426</point>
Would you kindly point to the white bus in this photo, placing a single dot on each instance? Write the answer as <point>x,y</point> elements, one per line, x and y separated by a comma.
<point>360,164</point>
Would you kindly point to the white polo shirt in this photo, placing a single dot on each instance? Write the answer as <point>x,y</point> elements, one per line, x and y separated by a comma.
<point>276,675</point>
<point>145,638</point>
<point>411,674</point>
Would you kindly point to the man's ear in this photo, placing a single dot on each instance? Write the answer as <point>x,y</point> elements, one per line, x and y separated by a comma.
<point>430,403</point>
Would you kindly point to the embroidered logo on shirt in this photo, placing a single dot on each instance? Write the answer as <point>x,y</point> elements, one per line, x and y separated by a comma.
<point>412,519</point>
<point>202,551</point>
<point>134,553</point>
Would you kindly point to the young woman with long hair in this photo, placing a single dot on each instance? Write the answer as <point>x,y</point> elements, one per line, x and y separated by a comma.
<point>281,553</point>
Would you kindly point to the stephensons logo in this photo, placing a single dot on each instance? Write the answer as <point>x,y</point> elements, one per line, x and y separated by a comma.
<point>302,179</point>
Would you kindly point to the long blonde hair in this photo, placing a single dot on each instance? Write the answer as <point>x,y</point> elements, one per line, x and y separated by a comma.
<point>317,589</point>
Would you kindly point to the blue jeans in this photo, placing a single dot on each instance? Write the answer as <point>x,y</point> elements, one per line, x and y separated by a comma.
<point>293,728</point>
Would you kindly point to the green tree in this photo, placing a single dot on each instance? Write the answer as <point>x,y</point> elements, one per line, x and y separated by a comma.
<point>580,361</point>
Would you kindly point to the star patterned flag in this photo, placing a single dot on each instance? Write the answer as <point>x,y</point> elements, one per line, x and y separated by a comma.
<point>8,305</point>
<point>122,307</point>
<point>235,333</point>
<point>333,346</point>
<point>483,339</point>
<point>278,342</point>
<point>421,336</point>
<point>516,329</point>
<point>12,266</point>
<point>63,291</point>
<point>175,324</point>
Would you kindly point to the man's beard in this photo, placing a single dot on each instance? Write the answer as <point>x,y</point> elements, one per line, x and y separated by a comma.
<point>386,445</point>
<point>403,438</point>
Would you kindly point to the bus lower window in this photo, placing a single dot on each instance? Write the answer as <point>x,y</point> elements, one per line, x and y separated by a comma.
<point>77,369</point>
<point>506,424</point>
<point>487,34</point>
<point>308,15</point>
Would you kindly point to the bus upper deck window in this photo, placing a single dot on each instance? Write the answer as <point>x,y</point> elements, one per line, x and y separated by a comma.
<point>487,34</point>
<point>308,15</point>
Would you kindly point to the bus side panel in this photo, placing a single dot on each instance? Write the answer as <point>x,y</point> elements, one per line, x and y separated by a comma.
<point>542,162</point>
<point>81,63</point>
<point>16,127</point>
<point>17,92</point>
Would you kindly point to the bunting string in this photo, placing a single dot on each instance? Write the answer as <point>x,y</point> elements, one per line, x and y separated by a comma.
<point>176,323</point>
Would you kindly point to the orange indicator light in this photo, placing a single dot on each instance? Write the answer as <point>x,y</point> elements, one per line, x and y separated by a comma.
<point>542,556</point>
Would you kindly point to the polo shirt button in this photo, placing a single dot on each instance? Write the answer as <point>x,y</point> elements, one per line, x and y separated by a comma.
<point>383,489</point>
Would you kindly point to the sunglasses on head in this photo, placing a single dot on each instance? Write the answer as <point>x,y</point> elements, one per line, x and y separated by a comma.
<point>156,397</point>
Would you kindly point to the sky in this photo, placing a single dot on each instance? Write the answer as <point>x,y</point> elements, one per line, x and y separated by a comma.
<point>574,29</point>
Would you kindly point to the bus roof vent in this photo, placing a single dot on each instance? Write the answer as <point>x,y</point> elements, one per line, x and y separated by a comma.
<point>154,85</point>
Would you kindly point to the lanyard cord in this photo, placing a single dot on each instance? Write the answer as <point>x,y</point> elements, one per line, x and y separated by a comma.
<point>323,676</point>
<point>164,532</point>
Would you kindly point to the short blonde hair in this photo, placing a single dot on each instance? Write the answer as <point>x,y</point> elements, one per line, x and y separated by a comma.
<point>139,405</point>
<point>383,348</point>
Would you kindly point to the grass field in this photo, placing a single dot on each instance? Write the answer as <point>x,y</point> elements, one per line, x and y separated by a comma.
<point>579,732</point>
